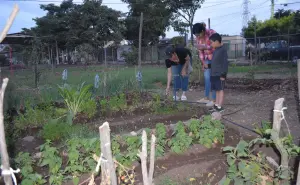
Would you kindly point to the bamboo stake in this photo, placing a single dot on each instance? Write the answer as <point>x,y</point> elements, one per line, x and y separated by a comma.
<point>143,156</point>
<point>152,158</point>
<point>3,147</point>
<point>9,22</point>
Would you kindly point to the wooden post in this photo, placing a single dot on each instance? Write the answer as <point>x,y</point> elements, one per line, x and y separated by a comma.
<point>108,171</point>
<point>255,43</point>
<point>140,42</point>
<point>298,74</point>
<point>57,58</point>
<point>9,22</point>
<point>277,115</point>
<point>147,178</point>
<point>143,156</point>
<point>3,147</point>
<point>152,159</point>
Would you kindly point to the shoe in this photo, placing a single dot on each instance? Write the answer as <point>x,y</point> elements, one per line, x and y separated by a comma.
<point>183,98</point>
<point>213,108</point>
<point>176,98</point>
<point>221,109</point>
<point>210,104</point>
<point>203,100</point>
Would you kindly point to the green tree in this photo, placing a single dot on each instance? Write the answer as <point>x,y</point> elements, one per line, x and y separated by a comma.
<point>184,13</point>
<point>156,20</point>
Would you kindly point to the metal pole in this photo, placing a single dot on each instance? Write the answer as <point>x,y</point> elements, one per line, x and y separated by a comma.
<point>208,23</point>
<point>140,42</point>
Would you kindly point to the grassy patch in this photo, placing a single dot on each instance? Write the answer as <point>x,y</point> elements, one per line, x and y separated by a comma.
<point>56,131</point>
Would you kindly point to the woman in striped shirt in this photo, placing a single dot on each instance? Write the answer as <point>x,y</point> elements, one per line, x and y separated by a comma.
<point>205,53</point>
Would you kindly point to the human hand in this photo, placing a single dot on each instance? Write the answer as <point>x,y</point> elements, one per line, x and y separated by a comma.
<point>167,90</point>
<point>183,72</point>
<point>205,66</point>
<point>222,79</point>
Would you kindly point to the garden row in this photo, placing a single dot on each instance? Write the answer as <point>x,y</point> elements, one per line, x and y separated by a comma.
<point>77,155</point>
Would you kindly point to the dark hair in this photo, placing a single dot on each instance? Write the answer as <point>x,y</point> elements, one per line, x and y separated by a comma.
<point>215,37</point>
<point>169,51</point>
<point>198,28</point>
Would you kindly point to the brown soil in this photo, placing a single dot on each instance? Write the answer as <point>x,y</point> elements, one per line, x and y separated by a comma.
<point>245,103</point>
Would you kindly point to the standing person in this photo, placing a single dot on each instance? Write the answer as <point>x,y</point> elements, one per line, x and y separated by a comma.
<point>178,65</point>
<point>205,53</point>
<point>219,69</point>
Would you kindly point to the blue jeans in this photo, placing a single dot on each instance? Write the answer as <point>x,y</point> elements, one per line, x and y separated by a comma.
<point>207,82</point>
<point>179,82</point>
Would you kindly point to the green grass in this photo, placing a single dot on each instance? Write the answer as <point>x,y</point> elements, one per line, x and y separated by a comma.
<point>119,79</point>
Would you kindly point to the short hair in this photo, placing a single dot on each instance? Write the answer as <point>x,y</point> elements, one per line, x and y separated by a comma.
<point>198,28</point>
<point>169,51</point>
<point>215,37</point>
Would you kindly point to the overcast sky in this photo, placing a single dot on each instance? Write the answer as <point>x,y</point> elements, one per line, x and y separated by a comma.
<point>226,17</point>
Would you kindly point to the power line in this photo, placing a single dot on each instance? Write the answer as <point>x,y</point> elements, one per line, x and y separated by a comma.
<point>116,3</point>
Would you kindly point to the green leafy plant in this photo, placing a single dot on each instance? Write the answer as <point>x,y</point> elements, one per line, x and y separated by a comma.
<point>51,159</point>
<point>75,98</point>
<point>244,167</point>
<point>264,126</point>
<point>161,137</point>
<point>181,141</point>
<point>89,108</point>
<point>194,128</point>
<point>25,163</point>
<point>211,131</point>
<point>73,166</point>
<point>33,117</point>
<point>54,130</point>
<point>114,103</point>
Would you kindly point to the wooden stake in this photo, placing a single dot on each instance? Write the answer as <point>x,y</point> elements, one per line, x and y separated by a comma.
<point>277,115</point>
<point>298,66</point>
<point>140,41</point>
<point>108,171</point>
<point>143,156</point>
<point>152,159</point>
<point>3,147</point>
<point>9,22</point>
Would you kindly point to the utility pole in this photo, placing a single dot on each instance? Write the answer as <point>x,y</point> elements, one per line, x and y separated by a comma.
<point>140,42</point>
<point>208,23</point>
<point>255,43</point>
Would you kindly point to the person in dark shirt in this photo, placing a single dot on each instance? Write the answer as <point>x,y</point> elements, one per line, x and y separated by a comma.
<point>178,65</point>
<point>219,69</point>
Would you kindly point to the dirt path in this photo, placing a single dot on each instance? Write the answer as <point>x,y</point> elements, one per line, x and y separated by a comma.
<point>257,105</point>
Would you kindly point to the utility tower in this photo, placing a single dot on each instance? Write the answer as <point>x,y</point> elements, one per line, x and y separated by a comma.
<point>272,8</point>
<point>245,13</point>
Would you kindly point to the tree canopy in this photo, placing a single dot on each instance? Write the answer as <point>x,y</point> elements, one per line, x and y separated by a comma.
<point>287,23</point>
<point>156,20</point>
<point>71,24</point>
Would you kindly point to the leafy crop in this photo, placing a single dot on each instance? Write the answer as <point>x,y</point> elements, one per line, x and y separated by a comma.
<point>161,137</point>
<point>181,141</point>
<point>244,167</point>
<point>75,98</point>
<point>51,159</point>
<point>211,131</point>
<point>25,163</point>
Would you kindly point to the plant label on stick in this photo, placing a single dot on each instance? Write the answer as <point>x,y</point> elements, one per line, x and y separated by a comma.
<point>139,76</point>
<point>97,80</point>
<point>65,75</point>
